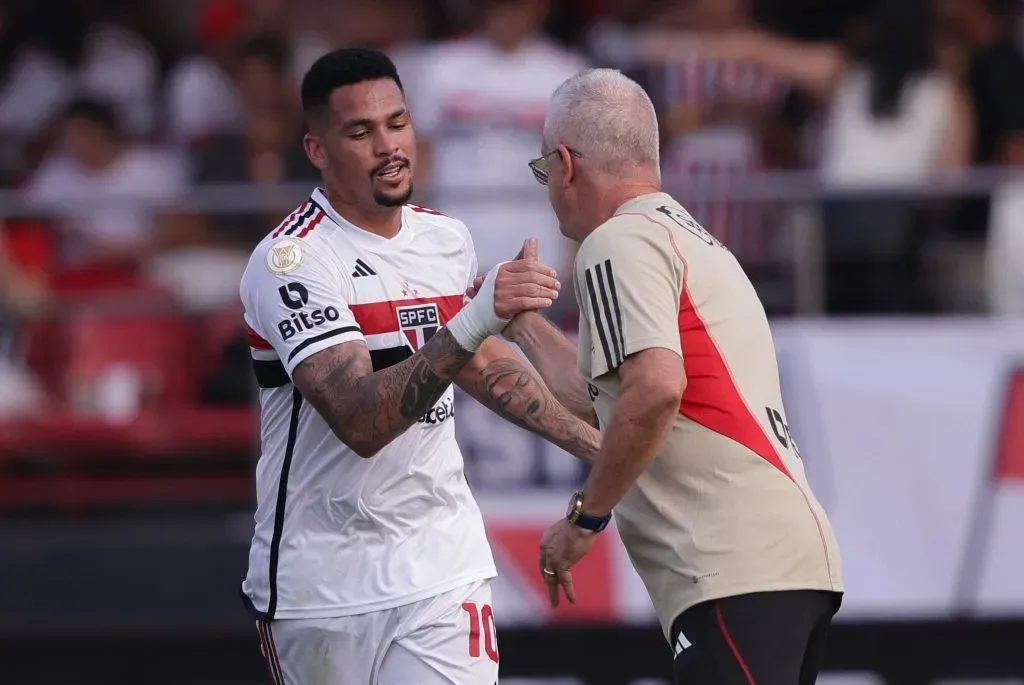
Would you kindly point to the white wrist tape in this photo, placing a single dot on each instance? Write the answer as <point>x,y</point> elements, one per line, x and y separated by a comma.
<point>477,320</point>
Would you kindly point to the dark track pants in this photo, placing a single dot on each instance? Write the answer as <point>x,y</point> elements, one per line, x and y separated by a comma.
<point>762,638</point>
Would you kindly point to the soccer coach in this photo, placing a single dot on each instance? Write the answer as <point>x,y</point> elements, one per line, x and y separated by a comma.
<point>676,364</point>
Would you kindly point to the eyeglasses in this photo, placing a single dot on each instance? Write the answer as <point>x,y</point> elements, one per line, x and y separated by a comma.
<point>540,166</point>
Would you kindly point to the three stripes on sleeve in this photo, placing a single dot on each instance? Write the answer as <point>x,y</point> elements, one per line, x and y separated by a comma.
<point>604,308</point>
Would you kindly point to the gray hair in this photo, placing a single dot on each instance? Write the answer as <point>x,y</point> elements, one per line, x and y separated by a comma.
<point>608,116</point>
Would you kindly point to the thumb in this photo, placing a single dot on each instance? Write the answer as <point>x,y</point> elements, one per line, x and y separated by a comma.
<point>529,251</point>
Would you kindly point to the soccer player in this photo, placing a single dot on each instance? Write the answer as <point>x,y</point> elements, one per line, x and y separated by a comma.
<point>676,362</point>
<point>369,563</point>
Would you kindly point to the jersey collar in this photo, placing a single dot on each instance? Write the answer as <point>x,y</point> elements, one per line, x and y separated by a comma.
<point>362,237</point>
<point>630,205</point>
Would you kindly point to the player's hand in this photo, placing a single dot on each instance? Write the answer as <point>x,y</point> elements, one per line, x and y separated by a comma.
<point>524,283</point>
<point>561,546</point>
<point>472,290</point>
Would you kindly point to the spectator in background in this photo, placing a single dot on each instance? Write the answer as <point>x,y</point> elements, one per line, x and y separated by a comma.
<point>21,290</point>
<point>397,27</point>
<point>99,183</point>
<point>269,149</point>
<point>201,98</point>
<point>121,67</point>
<point>478,104</point>
<point>719,112</point>
<point>203,258</point>
<point>611,39</point>
<point>988,28</point>
<point>22,293</point>
<point>893,120</point>
<point>995,74</point>
<point>35,65</point>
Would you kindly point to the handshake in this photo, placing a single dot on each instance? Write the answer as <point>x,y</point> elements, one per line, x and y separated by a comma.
<point>509,289</point>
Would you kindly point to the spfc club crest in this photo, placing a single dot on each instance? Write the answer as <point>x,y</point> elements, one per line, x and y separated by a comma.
<point>419,323</point>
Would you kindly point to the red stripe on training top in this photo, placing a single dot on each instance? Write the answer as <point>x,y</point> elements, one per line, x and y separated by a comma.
<point>290,221</point>
<point>312,224</point>
<point>711,397</point>
<point>255,341</point>
<point>375,318</point>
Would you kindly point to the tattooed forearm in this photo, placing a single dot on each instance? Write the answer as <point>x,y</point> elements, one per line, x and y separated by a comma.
<point>514,392</point>
<point>554,356</point>
<point>368,409</point>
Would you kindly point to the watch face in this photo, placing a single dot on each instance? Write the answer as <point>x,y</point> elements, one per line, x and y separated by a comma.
<point>573,510</point>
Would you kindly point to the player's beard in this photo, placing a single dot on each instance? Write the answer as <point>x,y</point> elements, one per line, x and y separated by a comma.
<point>392,199</point>
<point>395,198</point>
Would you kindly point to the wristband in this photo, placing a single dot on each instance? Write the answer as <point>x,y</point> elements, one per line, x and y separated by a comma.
<point>477,320</point>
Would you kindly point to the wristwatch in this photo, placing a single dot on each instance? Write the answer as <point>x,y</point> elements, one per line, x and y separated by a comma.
<point>576,516</point>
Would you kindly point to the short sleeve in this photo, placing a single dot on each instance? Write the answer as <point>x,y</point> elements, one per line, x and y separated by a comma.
<point>629,283</point>
<point>295,302</point>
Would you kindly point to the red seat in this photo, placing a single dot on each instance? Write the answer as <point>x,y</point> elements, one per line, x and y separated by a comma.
<point>152,347</point>
<point>143,333</point>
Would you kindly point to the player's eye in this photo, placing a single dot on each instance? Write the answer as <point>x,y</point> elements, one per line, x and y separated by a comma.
<point>359,135</point>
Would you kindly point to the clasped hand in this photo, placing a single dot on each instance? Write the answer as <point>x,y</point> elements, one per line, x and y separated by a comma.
<point>523,284</point>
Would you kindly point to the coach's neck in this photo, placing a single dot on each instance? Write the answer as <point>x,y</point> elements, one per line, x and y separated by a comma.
<point>603,194</point>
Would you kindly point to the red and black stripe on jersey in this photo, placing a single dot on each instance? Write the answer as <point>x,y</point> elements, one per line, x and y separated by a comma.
<point>302,221</point>
<point>373,319</point>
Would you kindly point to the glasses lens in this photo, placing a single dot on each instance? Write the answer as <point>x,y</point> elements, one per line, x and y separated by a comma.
<point>540,170</point>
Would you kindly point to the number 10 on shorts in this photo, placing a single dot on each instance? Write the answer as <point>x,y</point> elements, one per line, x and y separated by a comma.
<point>481,616</point>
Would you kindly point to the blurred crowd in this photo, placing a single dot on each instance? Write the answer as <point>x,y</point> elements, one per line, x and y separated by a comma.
<point>110,110</point>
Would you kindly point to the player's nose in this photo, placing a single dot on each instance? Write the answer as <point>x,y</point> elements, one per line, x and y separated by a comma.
<point>385,144</point>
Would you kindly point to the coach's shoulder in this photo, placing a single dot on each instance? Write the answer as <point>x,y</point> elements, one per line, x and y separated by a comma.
<point>618,232</point>
<point>631,240</point>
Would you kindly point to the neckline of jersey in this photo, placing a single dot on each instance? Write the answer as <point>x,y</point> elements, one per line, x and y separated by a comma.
<point>629,204</point>
<point>361,236</point>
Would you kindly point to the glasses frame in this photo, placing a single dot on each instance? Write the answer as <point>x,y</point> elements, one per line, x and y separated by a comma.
<point>539,166</point>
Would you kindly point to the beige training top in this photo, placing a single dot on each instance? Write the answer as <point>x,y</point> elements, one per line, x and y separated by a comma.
<point>725,508</point>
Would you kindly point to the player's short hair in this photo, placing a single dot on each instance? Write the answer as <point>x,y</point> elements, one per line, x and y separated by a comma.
<point>95,111</point>
<point>339,68</point>
<point>608,117</point>
<point>267,48</point>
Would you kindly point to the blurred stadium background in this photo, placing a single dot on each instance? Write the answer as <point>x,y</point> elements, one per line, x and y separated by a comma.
<point>861,158</point>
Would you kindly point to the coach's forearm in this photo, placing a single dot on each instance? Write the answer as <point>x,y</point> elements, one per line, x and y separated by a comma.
<point>554,357</point>
<point>367,409</point>
<point>500,380</point>
<point>640,423</point>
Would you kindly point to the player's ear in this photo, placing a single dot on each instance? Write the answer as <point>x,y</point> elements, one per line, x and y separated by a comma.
<point>314,146</point>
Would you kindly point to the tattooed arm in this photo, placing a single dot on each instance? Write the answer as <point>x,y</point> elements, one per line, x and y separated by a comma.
<point>367,409</point>
<point>554,356</point>
<point>504,383</point>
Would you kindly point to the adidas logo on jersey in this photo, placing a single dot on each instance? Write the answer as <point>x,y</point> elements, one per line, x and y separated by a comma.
<point>363,269</point>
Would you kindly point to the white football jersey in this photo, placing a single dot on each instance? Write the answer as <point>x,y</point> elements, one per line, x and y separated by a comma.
<point>337,534</point>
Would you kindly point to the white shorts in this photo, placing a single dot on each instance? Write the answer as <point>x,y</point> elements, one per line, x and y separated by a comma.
<point>445,640</point>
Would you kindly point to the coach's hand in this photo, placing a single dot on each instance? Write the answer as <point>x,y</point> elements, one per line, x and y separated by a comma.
<point>561,546</point>
<point>523,284</point>
<point>508,289</point>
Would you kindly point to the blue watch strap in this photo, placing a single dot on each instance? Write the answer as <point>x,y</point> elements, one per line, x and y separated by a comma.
<point>594,523</point>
